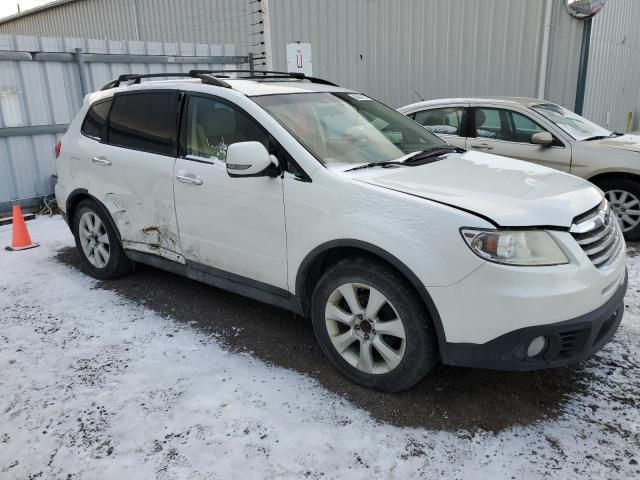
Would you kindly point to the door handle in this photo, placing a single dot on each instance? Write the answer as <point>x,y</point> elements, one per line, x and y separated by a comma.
<point>189,179</point>
<point>101,161</point>
<point>482,146</point>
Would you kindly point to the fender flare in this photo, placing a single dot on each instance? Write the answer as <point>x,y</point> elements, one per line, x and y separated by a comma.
<point>301,278</point>
<point>72,200</point>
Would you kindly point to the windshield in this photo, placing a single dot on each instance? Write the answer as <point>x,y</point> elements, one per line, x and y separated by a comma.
<point>578,127</point>
<point>347,128</point>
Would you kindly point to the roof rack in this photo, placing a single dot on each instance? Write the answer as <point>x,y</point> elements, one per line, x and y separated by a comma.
<point>214,77</point>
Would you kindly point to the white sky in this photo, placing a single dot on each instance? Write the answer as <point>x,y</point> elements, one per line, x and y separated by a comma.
<point>10,7</point>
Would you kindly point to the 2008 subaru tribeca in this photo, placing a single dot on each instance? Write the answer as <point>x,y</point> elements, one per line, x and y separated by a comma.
<point>402,249</point>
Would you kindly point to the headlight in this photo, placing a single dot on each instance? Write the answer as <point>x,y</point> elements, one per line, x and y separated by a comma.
<point>515,247</point>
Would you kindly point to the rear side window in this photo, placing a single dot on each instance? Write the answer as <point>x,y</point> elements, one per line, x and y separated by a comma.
<point>443,121</point>
<point>145,121</point>
<point>96,120</point>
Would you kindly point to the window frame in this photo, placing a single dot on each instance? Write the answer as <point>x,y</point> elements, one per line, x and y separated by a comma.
<point>176,111</point>
<point>286,161</point>
<point>557,142</point>
<point>103,134</point>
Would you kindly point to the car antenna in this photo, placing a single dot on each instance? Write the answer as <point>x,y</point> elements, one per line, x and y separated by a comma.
<point>419,96</point>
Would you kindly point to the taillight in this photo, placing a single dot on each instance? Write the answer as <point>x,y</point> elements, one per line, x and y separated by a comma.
<point>56,149</point>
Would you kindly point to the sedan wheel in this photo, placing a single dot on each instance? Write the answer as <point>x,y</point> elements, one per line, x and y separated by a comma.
<point>365,328</point>
<point>626,208</point>
<point>94,240</point>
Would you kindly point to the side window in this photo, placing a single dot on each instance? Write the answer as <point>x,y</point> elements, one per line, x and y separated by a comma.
<point>505,125</point>
<point>96,120</point>
<point>524,127</point>
<point>489,124</point>
<point>445,121</point>
<point>144,121</point>
<point>213,125</point>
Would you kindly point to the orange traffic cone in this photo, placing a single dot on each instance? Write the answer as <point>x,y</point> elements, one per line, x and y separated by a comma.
<point>21,239</point>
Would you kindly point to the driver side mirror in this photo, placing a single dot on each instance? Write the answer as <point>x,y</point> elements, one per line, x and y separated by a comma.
<point>249,159</point>
<point>542,138</point>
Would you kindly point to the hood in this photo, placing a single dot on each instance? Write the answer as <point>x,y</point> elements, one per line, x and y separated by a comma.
<point>511,193</point>
<point>623,142</point>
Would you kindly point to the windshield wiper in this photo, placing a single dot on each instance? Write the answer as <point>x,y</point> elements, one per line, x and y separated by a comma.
<point>374,164</point>
<point>595,137</point>
<point>431,154</point>
<point>420,157</point>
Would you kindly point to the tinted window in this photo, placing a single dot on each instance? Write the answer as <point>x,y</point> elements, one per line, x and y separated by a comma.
<point>212,126</point>
<point>445,121</point>
<point>505,125</point>
<point>96,119</point>
<point>144,121</point>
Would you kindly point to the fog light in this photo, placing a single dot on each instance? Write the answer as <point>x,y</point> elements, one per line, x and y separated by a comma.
<point>536,346</point>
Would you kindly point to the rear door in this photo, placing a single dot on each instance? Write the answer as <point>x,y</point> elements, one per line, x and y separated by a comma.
<point>131,170</point>
<point>449,123</point>
<point>504,131</point>
<point>231,227</point>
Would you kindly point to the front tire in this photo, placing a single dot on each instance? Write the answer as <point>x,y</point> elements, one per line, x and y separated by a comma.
<point>98,243</point>
<point>623,195</point>
<point>373,326</point>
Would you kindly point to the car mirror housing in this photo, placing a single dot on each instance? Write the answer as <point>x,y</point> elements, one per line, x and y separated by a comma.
<point>542,138</point>
<point>249,159</point>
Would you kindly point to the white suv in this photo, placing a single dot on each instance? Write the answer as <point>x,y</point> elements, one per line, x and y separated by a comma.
<point>403,250</point>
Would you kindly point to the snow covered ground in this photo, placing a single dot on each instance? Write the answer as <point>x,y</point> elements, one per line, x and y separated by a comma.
<point>94,386</point>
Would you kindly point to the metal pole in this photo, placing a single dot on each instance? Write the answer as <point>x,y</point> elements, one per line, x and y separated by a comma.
<point>81,73</point>
<point>582,69</point>
<point>251,63</point>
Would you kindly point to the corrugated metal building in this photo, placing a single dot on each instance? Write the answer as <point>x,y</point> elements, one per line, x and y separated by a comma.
<point>393,50</point>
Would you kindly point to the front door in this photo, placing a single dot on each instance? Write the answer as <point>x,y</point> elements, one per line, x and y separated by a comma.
<point>227,225</point>
<point>508,133</point>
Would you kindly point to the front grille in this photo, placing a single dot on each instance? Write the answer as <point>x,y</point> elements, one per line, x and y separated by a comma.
<point>599,235</point>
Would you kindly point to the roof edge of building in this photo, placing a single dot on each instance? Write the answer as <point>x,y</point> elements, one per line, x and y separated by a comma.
<point>31,11</point>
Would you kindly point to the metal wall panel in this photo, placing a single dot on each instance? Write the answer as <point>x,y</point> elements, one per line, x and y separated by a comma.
<point>400,50</point>
<point>613,73</point>
<point>195,21</point>
<point>36,93</point>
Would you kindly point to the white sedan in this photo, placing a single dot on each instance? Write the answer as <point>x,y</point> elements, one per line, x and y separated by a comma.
<point>545,133</point>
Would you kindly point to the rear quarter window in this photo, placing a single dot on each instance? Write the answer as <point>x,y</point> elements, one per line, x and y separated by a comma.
<point>95,122</point>
<point>145,121</point>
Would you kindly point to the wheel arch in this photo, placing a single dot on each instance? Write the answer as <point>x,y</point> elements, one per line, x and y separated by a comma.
<point>316,262</point>
<point>80,194</point>
<point>609,175</point>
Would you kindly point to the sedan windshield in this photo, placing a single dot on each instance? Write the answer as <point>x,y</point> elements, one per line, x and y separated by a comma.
<point>345,129</point>
<point>578,127</point>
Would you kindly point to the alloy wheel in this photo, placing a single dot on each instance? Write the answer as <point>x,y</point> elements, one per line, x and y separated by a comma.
<point>94,240</point>
<point>626,208</point>
<point>365,328</point>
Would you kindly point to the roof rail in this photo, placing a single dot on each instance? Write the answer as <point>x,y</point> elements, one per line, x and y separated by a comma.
<point>135,78</point>
<point>214,77</point>
<point>265,74</point>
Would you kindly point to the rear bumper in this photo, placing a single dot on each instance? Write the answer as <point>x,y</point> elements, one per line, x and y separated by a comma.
<point>568,342</point>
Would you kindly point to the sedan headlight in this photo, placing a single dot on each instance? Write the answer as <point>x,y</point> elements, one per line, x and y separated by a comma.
<point>515,247</point>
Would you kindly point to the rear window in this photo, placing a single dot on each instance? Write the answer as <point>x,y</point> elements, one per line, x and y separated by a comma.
<point>96,120</point>
<point>144,121</point>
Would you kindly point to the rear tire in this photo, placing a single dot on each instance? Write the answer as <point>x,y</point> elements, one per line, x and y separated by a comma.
<point>98,243</point>
<point>623,195</point>
<point>372,325</point>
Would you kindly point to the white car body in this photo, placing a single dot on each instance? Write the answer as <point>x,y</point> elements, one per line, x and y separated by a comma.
<point>609,160</point>
<point>269,231</point>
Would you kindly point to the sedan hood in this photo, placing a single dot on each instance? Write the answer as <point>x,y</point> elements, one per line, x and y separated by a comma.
<point>511,193</point>
<point>622,142</point>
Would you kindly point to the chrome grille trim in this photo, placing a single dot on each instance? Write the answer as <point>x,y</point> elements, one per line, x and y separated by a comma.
<point>599,235</point>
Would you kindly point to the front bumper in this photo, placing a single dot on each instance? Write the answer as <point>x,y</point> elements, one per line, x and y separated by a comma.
<point>568,342</point>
